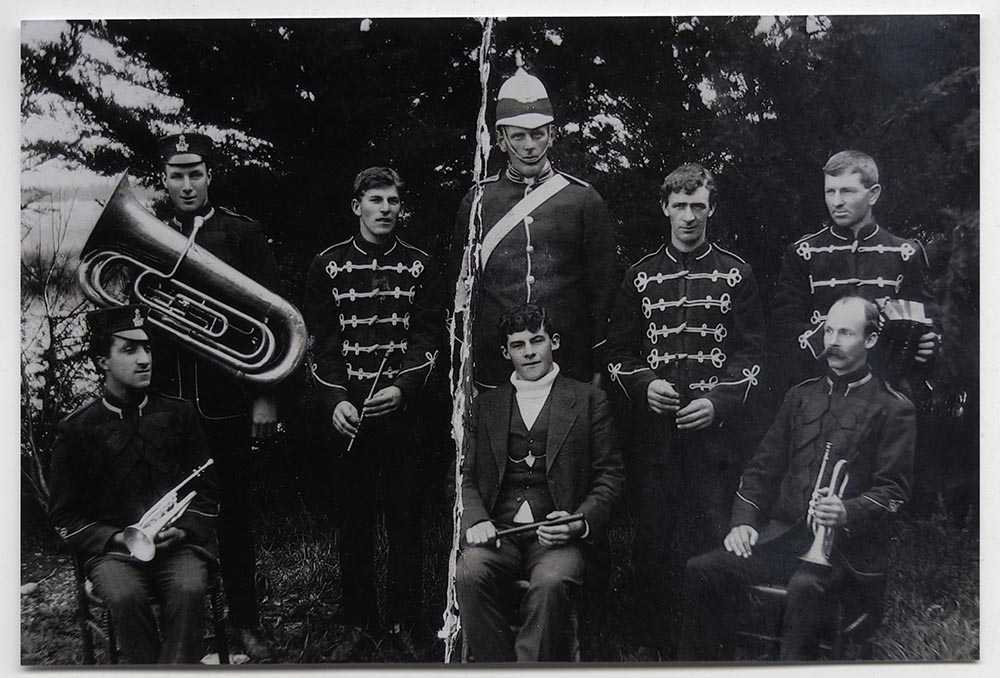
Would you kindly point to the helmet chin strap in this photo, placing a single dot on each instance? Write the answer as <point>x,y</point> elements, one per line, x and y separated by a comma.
<point>527,161</point>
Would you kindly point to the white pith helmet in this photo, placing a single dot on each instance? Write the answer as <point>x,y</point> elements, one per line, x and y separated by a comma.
<point>523,102</point>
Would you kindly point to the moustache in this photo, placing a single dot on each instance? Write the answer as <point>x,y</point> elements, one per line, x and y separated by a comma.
<point>835,352</point>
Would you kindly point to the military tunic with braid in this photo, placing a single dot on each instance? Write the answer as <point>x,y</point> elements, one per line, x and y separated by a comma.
<point>824,266</point>
<point>365,302</point>
<point>694,320</point>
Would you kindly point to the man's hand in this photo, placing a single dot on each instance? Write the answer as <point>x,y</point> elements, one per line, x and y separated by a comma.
<point>118,539</point>
<point>482,534</point>
<point>169,538</point>
<point>662,397</point>
<point>697,414</point>
<point>926,347</point>
<point>345,419</point>
<point>263,417</point>
<point>559,535</point>
<point>827,509</point>
<point>741,540</point>
<point>388,399</point>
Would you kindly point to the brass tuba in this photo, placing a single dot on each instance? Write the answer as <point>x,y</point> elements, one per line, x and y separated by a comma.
<point>200,301</point>
<point>822,546</point>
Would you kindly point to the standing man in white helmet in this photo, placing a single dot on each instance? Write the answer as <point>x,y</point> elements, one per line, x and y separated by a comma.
<point>547,239</point>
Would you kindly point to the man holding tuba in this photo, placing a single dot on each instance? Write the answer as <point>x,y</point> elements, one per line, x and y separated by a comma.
<point>113,459</point>
<point>231,411</point>
<point>788,499</point>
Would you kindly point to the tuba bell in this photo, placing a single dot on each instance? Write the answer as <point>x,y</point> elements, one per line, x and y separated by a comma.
<point>822,545</point>
<point>194,297</point>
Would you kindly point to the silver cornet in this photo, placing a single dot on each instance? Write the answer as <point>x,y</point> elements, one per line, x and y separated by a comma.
<point>139,537</point>
<point>822,546</point>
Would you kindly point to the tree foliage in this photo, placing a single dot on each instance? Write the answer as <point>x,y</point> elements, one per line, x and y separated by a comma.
<point>301,105</point>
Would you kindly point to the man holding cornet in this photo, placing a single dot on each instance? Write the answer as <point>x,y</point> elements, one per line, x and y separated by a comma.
<point>800,516</point>
<point>114,460</point>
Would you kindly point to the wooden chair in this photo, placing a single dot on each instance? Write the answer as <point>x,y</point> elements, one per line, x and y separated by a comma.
<point>94,617</point>
<point>855,618</point>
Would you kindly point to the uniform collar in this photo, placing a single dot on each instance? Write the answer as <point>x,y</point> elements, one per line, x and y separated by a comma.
<point>373,249</point>
<point>850,381</point>
<point>183,221</point>
<point>518,178</point>
<point>120,408</point>
<point>694,255</point>
<point>847,234</point>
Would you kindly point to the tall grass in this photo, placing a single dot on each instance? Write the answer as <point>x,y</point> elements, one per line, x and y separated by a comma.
<point>932,604</point>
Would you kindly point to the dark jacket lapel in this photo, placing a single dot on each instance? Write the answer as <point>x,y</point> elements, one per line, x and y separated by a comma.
<point>562,414</point>
<point>498,423</point>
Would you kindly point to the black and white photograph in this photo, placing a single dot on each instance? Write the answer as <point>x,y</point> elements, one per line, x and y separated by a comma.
<point>646,340</point>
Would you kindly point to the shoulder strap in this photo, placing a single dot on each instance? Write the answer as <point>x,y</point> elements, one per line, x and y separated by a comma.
<point>518,212</point>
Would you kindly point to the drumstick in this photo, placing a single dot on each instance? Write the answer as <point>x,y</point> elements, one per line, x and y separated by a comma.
<point>527,527</point>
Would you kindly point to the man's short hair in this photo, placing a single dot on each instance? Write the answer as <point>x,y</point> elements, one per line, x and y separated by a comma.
<point>873,321</point>
<point>376,177</point>
<point>688,178</point>
<point>857,162</point>
<point>524,317</point>
<point>100,346</point>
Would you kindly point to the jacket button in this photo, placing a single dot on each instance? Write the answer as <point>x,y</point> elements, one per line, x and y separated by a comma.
<point>530,279</point>
<point>529,220</point>
<point>529,249</point>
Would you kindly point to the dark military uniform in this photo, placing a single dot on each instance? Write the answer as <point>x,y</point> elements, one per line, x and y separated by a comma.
<point>694,320</point>
<point>560,256</point>
<point>223,403</point>
<point>366,303</point>
<point>827,265</point>
<point>860,419</point>
<point>110,464</point>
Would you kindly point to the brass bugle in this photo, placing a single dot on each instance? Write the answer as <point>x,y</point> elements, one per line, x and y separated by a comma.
<point>198,300</point>
<point>528,527</point>
<point>140,537</point>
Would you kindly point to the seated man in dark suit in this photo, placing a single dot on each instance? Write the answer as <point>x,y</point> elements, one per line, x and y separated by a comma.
<point>543,446</point>
<point>116,457</point>
<point>849,415</point>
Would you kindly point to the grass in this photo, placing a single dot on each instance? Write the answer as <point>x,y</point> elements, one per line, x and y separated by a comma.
<point>932,610</point>
<point>932,600</point>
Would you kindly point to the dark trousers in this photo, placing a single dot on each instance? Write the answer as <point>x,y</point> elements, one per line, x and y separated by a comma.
<point>229,444</point>
<point>176,580</point>
<point>716,597</point>
<point>484,580</point>
<point>685,483</point>
<point>385,454</point>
